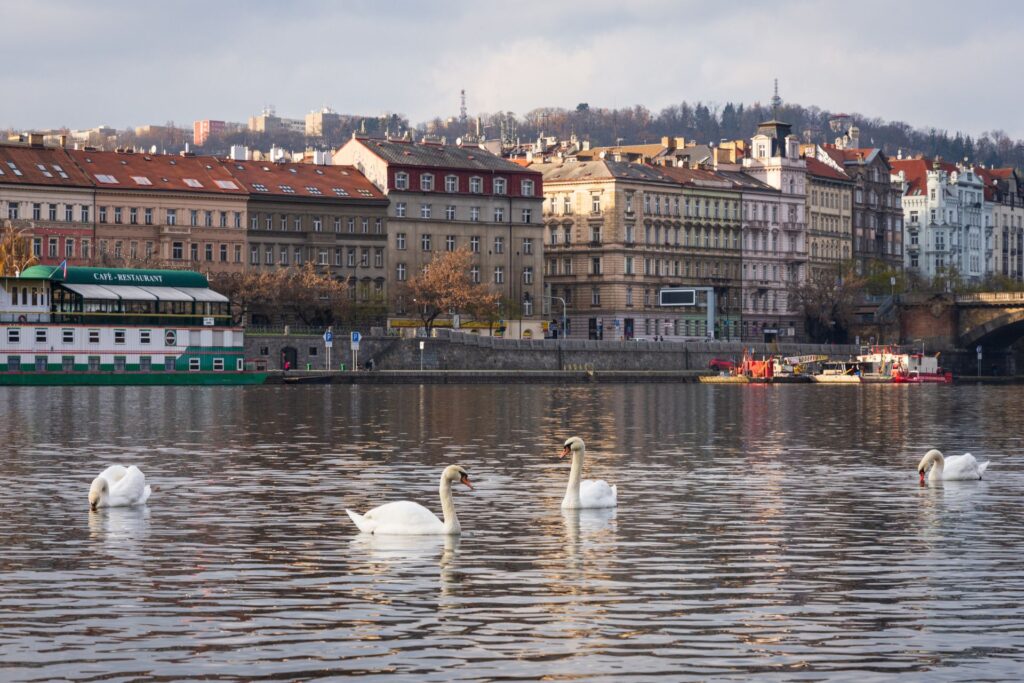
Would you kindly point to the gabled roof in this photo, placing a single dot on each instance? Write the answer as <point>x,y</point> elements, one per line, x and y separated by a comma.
<point>643,150</point>
<point>25,165</point>
<point>601,169</point>
<point>742,181</point>
<point>266,178</point>
<point>823,170</point>
<point>135,171</point>
<point>431,155</point>
<point>697,177</point>
<point>916,172</point>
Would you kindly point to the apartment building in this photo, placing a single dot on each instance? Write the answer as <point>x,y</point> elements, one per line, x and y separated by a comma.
<point>829,215</point>
<point>444,197</point>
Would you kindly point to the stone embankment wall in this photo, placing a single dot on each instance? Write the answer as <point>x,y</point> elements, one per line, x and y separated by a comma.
<point>460,351</point>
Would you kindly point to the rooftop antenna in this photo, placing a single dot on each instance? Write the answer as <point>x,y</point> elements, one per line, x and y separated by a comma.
<point>776,101</point>
<point>462,108</point>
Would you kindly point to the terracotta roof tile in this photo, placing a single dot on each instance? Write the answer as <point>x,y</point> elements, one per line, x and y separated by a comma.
<point>301,180</point>
<point>136,171</point>
<point>24,165</point>
<point>823,170</point>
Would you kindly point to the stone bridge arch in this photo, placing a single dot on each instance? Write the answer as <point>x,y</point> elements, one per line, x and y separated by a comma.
<point>1000,330</point>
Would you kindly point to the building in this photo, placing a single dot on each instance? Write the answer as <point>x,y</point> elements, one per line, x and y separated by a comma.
<point>331,216</point>
<point>877,210</point>
<point>204,129</point>
<point>269,122</point>
<point>445,197</point>
<point>1004,195</point>
<point>43,192</point>
<point>323,122</point>
<point>829,215</point>
<point>947,222</point>
<point>775,232</point>
<point>151,209</point>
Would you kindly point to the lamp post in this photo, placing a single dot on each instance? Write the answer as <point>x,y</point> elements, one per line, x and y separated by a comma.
<point>558,298</point>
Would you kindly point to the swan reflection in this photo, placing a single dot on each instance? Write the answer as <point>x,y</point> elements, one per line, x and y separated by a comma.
<point>122,528</point>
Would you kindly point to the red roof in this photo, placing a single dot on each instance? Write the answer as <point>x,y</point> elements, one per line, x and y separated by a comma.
<point>302,180</point>
<point>916,172</point>
<point>148,172</point>
<point>823,170</point>
<point>24,165</point>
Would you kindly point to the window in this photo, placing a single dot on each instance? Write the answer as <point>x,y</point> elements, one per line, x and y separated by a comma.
<point>474,244</point>
<point>172,216</point>
<point>595,297</point>
<point>208,251</point>
<point>401,273</point>
<point>425,242</point>
<point>449,212</point>
<point>223,253</point>
<point>193,365</point>
<point>40,335</point>
<point>208,219</point>
<point>119,336</point>
<point>13,335</point>
<point>94,336</point>
<point>85,248</point>
<point>350,257</point>
<point>476,185</point>
<point>118,215</point>
<point>51,247</point>
<point>500,186</point>
<point>254,256</point>
<point>427,182</point>
<point>527,245</point>
<point>526,188</point>
<point>474,274</point>
<point>595,265</point>
<point>628,268</point>
<point>424,210</point>
<point>449,243</point>
<point>193,252</point>
<point>499,214</point>
<point>69,248</point>
<point>365,225</point>
<point>451,183</point>
<point>69,213</point>
<point>401,181</point>
<point>400,209</point>
<point>400,241</point>
<point>595,203</point>
<point>527,215</point>
<point>474,213</point>
<point>318,225</point>
<point>528,275</point>
<point>364,257</point>
<point>177,251</point>
<point>378,226</point>
<point>193,217</point>
<point>67,335</point>
<point>499,275</point>
<point>499,245</point>
<point>378,258</point>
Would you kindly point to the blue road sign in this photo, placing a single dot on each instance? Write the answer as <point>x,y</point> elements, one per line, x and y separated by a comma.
<point>328,336</point>
<point>356,337</point>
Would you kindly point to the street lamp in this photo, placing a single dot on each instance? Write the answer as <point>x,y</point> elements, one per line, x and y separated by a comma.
<point>558,298</point>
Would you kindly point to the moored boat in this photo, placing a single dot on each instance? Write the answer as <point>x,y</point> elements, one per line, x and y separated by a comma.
<point>79,325</point>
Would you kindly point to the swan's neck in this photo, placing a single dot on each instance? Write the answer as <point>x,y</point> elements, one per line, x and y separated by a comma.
<point>572,491</point>
<point>451,520</point>
<point>938,463</point>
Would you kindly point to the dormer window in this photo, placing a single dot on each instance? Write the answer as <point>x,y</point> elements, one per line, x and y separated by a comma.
<point>427,182</point>
<point>402,181</point>
<point>500,186</point>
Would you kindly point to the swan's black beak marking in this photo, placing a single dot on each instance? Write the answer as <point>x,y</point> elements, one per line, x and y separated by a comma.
<point>565,451</point>
<point>465,480</point>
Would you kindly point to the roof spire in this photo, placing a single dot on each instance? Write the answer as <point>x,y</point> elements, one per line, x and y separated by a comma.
<point>776,101</point>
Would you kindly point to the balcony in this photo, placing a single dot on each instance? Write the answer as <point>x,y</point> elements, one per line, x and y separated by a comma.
<point>595,243</point>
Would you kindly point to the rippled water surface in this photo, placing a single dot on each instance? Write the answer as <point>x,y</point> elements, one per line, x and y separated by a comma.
<point>772,533</point>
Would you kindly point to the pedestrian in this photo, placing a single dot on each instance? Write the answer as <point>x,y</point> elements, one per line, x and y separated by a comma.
<point>287,365</point>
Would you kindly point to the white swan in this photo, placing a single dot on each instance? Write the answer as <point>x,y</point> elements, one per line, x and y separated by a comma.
<point>407,517</point>
<point>954,467</point>
<point>119,486</point>
<point>589,493</point>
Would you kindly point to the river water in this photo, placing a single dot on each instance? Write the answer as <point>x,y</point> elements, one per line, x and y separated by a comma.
<point>763,533</point>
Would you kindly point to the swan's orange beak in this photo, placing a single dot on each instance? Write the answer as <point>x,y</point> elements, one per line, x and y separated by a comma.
<point>465,480</point>
<point>565,452</point>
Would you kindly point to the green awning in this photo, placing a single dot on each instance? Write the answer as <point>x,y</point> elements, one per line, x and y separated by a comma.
<point>82,275</point>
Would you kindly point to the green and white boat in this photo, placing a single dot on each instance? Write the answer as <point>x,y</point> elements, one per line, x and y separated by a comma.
<point>97,326</point>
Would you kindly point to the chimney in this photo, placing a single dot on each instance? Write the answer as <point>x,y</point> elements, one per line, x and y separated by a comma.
<point>680,143</point>
<point>667,142</point>
<point>35,139</point>
<point>63,140</point>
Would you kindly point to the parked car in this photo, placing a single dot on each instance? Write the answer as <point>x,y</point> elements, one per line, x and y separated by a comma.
<point>722,365</point>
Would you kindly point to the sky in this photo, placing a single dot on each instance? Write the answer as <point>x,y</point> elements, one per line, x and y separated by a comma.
<point>81,63</point>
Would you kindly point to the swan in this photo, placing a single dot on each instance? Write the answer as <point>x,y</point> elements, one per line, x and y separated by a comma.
<point>589,493</point>
<point>119,486</point>
<point>954,467</point>
<point>407,517</point>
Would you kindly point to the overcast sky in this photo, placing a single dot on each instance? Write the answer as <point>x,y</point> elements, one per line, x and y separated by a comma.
<point>81,63</point>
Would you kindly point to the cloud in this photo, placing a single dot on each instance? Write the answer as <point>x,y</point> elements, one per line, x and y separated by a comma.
<point>125,63</point>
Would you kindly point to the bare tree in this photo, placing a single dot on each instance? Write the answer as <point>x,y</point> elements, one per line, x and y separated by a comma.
<point>444,285</point>
<point>15,250</point>
<point>827,300</point>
